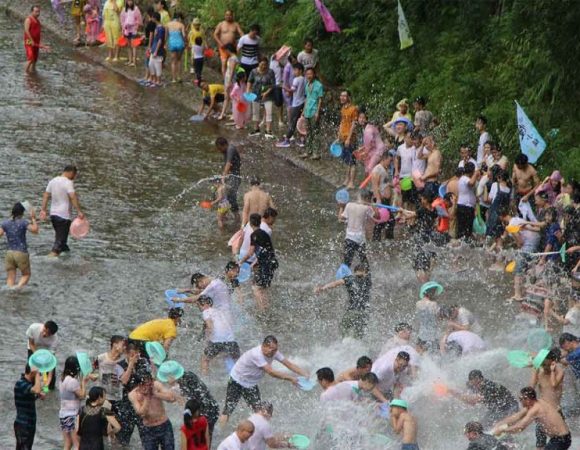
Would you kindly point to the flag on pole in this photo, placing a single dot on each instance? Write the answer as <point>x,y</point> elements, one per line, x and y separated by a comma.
<point>330,24</point>
<point>404,32</point>
<point>531,143</point>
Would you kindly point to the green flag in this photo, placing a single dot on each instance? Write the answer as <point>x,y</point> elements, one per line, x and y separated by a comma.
<point>404,32</point>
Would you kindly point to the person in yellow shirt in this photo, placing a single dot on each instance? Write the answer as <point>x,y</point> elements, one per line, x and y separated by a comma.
<point>195,31</point>
<point>213,94</point>
<point>160,330</point>
<point>347,136</point>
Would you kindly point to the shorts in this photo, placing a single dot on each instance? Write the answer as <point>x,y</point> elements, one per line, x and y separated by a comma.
<point>354,323</point>
<point>410,196</point>
<point>409,447</point>
<point>522,263</point>
<point>31,53</point>
<point>264,273</point>
<point>156,65</point>
<point>278,97</point>
<point>219,98</point>
<point>224,55</point>
<point>67,424</point>
<point>559,443</point>
<point>347,156</point>
<point>229,348</point>
<point>17,260</point>
<point>158,436</point>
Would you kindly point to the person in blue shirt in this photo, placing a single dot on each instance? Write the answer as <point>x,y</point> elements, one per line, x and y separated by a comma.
<point>17,255</point>
<point>571,345</point>
<point>26,390</point>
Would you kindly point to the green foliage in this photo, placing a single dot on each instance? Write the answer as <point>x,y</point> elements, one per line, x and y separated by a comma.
<point>470,57</point>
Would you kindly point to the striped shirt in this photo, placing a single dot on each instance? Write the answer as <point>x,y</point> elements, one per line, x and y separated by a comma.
<point>24,400</point>
<point>249,50</point>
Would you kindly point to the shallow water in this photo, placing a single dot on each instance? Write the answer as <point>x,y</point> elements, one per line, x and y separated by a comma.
<point>140,161</point>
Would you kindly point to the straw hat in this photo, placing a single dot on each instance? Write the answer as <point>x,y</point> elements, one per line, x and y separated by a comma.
<point>403,102</point>
<point>170,370</point>
<point>196,21</point>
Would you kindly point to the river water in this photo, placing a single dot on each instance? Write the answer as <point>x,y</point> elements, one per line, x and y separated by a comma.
<point>140,161</point>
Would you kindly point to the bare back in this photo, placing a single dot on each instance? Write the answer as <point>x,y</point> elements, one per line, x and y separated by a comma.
<point>409,428</point>
<point>433,165</point>
<point>256,201</point>
<point>348,375</point>
<point>524,179</point>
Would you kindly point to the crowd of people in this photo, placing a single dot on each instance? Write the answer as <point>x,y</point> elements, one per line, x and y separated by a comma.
<point>507,209</point>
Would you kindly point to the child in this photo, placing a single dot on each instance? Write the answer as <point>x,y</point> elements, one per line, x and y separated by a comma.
<point>197,55</point>
<point>157,52</point>
<point>218,333</point>
<point>150,26</point>
<point>95,421</point>
<point>71,392</point>
<point>194,431</point>
<point>195,32</point>
<point>77,10</point>
<point>223,205</point>
<point>241,118</point>
<point>92,20</point>
<point>229,77</point>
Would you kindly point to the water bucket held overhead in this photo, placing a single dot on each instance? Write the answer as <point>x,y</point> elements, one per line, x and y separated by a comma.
<point>156,352</point>
<point>79,228</point>
<point>43,360</point>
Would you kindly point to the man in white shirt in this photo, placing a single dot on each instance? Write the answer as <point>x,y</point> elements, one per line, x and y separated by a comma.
<point>465,154</point>
<point>466,201</point>
<point>249,371</point>
<point>484,136</point>
<point>459,319</point>
<point>406,154</point>
<point>263,436</point>
<point>350,390</point>
<point>43,336</point>
<point>389,369</point>
<point>249,49</point>
<point>238,440</point>
<point>462,343</point>
<point>214,288</point>
<point>61,193</point>
<point>356,215</point>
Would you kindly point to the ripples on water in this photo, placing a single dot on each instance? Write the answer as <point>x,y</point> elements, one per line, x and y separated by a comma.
<point>140,161</point>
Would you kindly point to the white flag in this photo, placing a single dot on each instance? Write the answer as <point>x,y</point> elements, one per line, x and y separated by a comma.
<point>531,143</point>
<point>404,32</point>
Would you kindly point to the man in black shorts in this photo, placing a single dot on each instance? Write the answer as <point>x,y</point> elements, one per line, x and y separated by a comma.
<point>266,265</point>
<point>231,172</point>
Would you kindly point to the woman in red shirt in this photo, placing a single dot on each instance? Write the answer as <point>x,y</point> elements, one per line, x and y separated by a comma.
<point>194,431</point>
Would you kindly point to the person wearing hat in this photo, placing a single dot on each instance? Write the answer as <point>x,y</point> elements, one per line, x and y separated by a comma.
<point>195,31</point>
<point>478,440</point>
<point>546,416</point>
<point>404,423</point>
<point>402,111</point>
<point>17,255</point>
<point>548,377</point>
<point>552,186</point>
<point>27,390</point>
<point>160,330</point>
<point>43,336</point>
<point>423,117</point>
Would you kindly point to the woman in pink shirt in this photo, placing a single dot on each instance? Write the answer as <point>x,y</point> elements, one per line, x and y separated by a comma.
<point>131,20</point>
<point>373,146</point>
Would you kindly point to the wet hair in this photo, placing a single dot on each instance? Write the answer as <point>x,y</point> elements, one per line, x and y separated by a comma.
<point>205,300</point>
<point>363,361</point>
<point>132,347</point>
<point>231,265</point>
<point>255,220</point>
<point>255,181</point>
<point>468,169</point>
<point>255,27</point>
<point>156,16</point>
<point>529,393</point>
<point>404,356</point>
<point>264,406</point>
<point>175,313</point>
<point>366,195</point>
<point>427,195</point>
<point>116,338</point>
<point>325,374</point>
<point>270,212</point>
<point>95,393</point>
<point>459,172</point>
<point>269,340</point>
<point>482,119</point>
<point>370,378</point>
<point>554,354</point>
<point>144,376</point>
<point>454,348</point>
<point>70,168</point>
<point>71,367</point>
<point>475,375</point>
<point>221,141</point>
<point>51,326</point>
<point>553,213</point>
<point>385,156</point>
<point>196,278</point>
<point>567,337</point>
<point>199,40</point>
<point>449,196</point>
<point>308,41</point>
<point>521,159</point>
<point>192,408</point>
<point>230,48</point>
<point>473,427</point>
<point>362,267</point>
<point>403,326</point>
<point>298,66</point>
<point>17,210</point>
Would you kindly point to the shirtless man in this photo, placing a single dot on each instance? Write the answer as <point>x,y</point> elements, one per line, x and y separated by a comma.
<point>524,177</point>
<point>363,366</point>
<point>256,201</point>
<point>227,32</point>
<point>434,160</point>
<point>147,400</point>
<point>545,415</point>
<point>403,422</point>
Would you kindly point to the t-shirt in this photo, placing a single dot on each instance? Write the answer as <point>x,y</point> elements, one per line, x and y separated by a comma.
<point>262,432</point>
<point>298,91</point>
<point>59,189</point>
<point>384,177</point>
<point>490,162</point>
<point>277,69</point>
<point>423,120</point>
<point>215,89</point>
<point>159,41</point>
<point>155,330</point>
<point>69,402</point>
<point>232,156</point>
<point>222,327</point>
<point>573,316</point>
<point>384,369</point>
<point>93,426</point>
<point>165,18</point>
<point>426,312</point>
<point>314,92</point>
<point>149,30</point>
<point>348,116</point>
<point>249,369</point>
<point>497,398</point>
<point>462,163</point>
<point>198,51</point>
<point>261,82</point>
<point>359,292</point>
<point>344,391</point>
<point>469,341</point>
<point>110,373</point>
<point>483,138</point>
<point>356,216</point>
<point>250,49</point>
<point>419,165</point>
<point>573,359</point>
<point>407,155</point>
<point>34,332</point>
<point>196,434</point>
<point>425,223</point>
<point>24,401</point>
<point>466,318</point>
<point>232,442</point>
<point>220,294</point>
<point>308,60</point>
<point>466,195</point>
<point>16,234</point>
<point>263,248</point>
